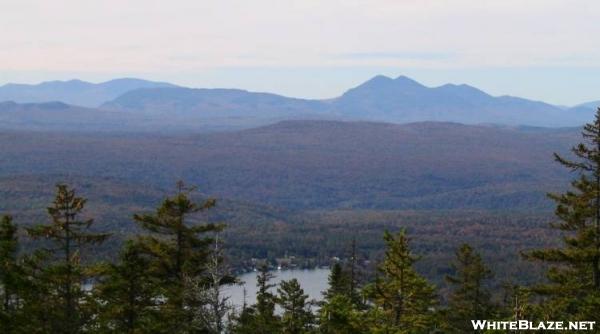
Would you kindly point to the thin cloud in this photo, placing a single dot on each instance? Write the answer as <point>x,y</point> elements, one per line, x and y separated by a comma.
<point>395,55</point>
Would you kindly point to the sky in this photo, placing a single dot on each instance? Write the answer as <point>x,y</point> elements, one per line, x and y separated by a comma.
<point>541,49</point>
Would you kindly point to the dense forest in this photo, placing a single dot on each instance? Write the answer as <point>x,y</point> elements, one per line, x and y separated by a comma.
<point>169,276</point>
<point>303,165</point>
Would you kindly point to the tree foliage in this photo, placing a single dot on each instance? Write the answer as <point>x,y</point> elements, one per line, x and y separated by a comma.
<point>573,287</point>
<point>11,284</point>
<point>127,293</point>
<point>296,315</point>
<point>403,300</point>
<point>180,252</point>
<point>64,275</point>
<point>469,298</point>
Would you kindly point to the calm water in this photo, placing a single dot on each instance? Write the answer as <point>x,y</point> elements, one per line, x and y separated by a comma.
<point>313,282</point>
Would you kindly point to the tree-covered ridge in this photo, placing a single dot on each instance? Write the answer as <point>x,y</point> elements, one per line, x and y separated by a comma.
<point>168,278</point>
<point>308,165</point>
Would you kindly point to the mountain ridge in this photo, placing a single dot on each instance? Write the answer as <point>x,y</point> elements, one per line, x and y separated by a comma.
<point>384,99</point>
<point>76,92</point>
<point>320,164</point>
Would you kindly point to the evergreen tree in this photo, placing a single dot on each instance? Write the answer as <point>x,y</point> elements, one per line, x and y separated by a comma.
<point>403,300</point>
<point>343,279</point>
<point>11,279</point>
<point>65,274</point>
<point>127,294</point>
<point>353,276</point>
<point>260,317</point>
<point>38,310</point>
<point>338,281</point>
<point>339,312</point>
<point>574,277</point>
<point>297,317</point>
<point>180,255</point>
<point>265,300</point>
<point>469,298</point>
<point>339,315</point>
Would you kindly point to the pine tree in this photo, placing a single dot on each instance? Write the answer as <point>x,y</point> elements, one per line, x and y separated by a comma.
<point>297,317</point>
<point>37,309</point>
<point>339,312</point>
<point>343,278</point>
<point>65,274</point>
<point>339,315</point>
<point>11,279</point>
<point>260,317</point>
<point>338,281</point>
<point>574,276</point>
<point>403,300</point>
<point>469,298</point>
<point>353,276</point>
<point>265,300</point>
<point>127,293</point>
<point>180,255</point>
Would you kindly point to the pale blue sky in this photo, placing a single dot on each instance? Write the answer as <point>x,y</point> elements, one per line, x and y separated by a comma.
<point>541,49</point>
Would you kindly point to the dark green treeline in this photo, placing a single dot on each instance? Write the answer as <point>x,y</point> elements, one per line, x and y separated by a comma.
<point>170,278</point>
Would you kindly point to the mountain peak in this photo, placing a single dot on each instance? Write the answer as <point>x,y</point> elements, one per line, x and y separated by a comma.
<point>379,79</point>
<point>404,81</point>
<point>404,78</point>
<point>382,82</point>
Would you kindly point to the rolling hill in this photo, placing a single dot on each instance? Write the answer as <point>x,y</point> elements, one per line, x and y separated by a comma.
<point>213,103</point>
<point>319,164</point>
<point>61,117</point>
<point>58,116</point>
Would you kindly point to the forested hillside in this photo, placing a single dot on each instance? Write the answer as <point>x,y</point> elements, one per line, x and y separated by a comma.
<point>313,237</point>
<point>317,164</point>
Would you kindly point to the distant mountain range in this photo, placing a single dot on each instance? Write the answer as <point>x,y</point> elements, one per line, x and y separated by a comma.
<point>404,100</point>
<point>212,103</point>
<point>589,105</point>
<point>138,105</point>
<point>74,92</point>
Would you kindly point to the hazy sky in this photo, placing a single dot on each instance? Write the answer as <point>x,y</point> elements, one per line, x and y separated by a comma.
<point>546,49</point>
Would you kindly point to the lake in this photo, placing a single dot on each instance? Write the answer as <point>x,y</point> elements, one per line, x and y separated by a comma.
<point>313,281</point>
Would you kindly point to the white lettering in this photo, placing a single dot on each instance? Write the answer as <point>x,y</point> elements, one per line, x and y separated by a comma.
<point>478,324</point>
<point>529,325</point>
